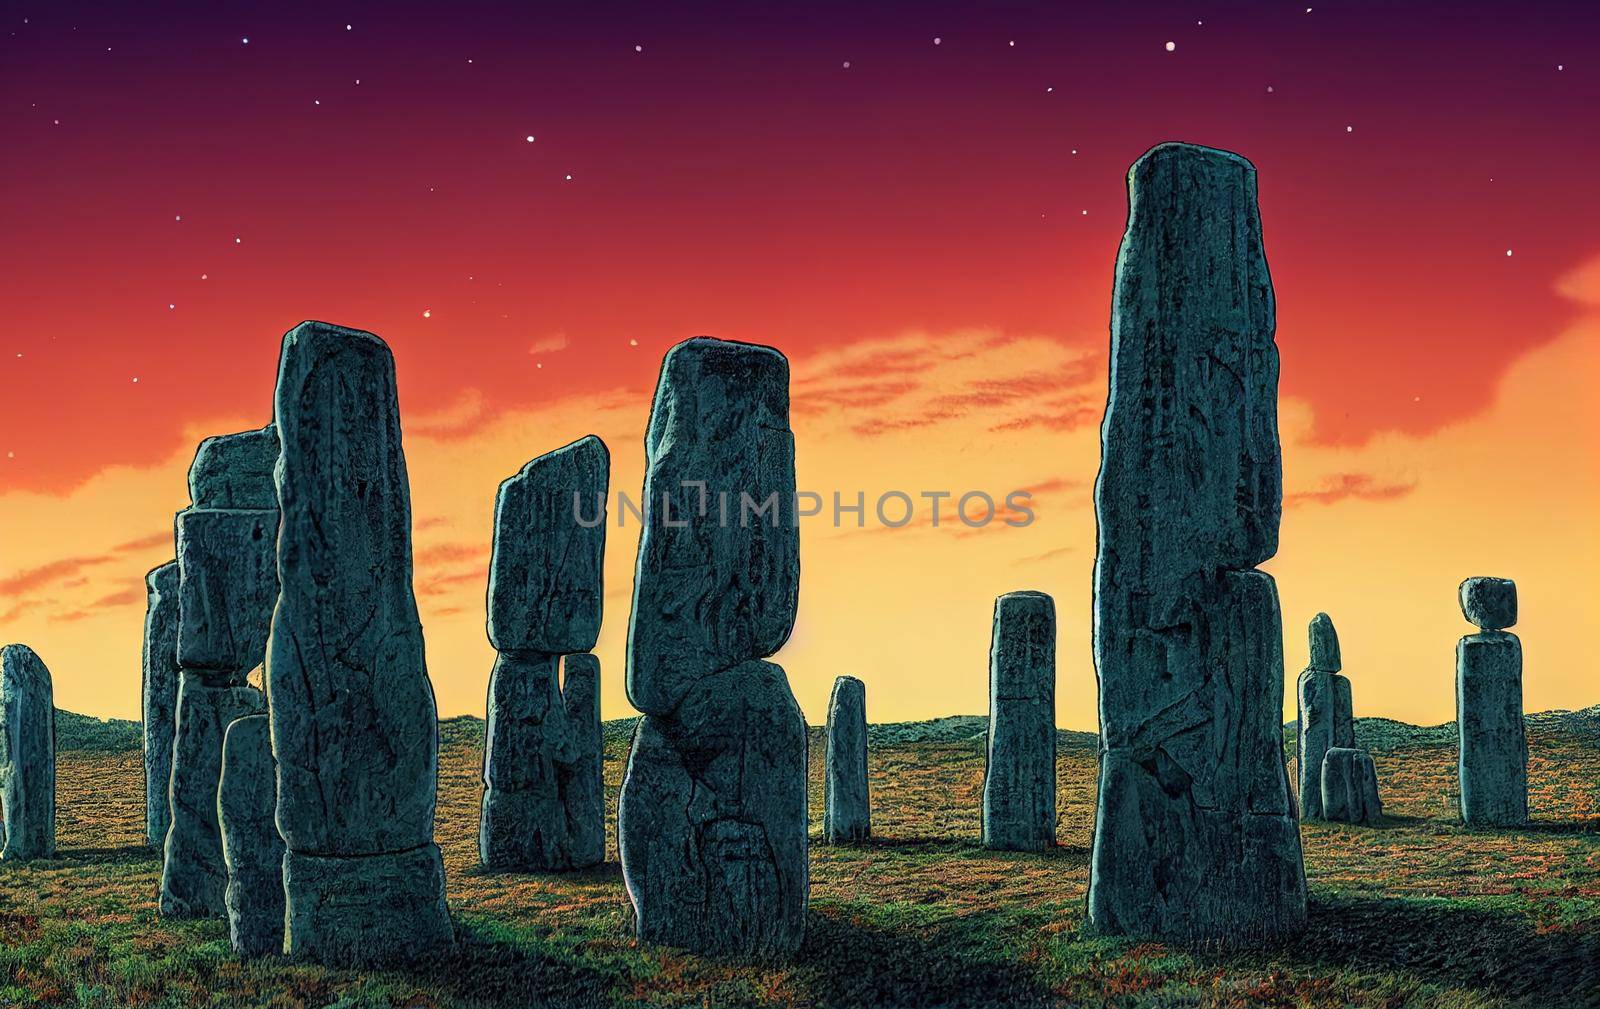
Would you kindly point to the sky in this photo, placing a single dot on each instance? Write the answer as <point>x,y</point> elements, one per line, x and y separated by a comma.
<point>919,206</point>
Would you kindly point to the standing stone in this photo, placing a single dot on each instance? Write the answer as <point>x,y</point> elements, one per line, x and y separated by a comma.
<point>1493,762</point>
<point>712,817</point>
<point>543,806</point>
<point>1318,717</point>
<point>1019,780</point>
<point>354,729</point>
<point>27,756</point>
<point>246,803</point>
<point>1196,838</point>
<point>1349,787</point>
<point>847,810</point>
<point>160,690</point>
<point>1344,717</point>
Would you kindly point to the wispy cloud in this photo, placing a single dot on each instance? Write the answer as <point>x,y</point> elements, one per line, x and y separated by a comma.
<point>1349,486</point>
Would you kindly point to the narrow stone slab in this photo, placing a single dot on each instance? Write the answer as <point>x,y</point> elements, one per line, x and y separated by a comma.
<point>228,587</point>
<point>1491,603</point>
<point>247,801</point>
<point>1196,839</point>
<point>1344,717</point>
<point>160,693</point>
<point>1324,644</point>
<point>370,911</point>
<point>1316,719</point>
<point>847,816</point>
<point>545,584</point>
<point>1350,787</point>
<point>1493,760</point>
<point>27,756</point>
<point>194,876</point>
<point>1019,781</point>
<point>235,471</point>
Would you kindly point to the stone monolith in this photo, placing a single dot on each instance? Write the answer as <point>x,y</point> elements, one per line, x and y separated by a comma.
<point>354,727</point>
<point>27,756</point>
<point>847,803</point>
<point>247,802</point>
<point>712,817</point>
<point>1318,717</point>
<point>1493,760</point>
<point>1196,839</point>
<point>1019,780</point>
<point>1349,787</point>
<point>160,693</point>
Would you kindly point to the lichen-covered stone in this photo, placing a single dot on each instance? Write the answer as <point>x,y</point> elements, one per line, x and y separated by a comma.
<point>1196,839</point>
<point>354,726</point>
<point>1350,787</point>
<point>1316,719</point>
<point>1019,781</point>
<point>235,471</point>
<point>227,589</point>
<point>27,756</point>
<point>712,819</point>
<point>545,586</point>
<point>1344,717</point>
<point>1493,756</point>
<point>194,877</point>
<point>1491,603</point>
<point>1324,644</point>
<point>715,585</point>
<point>160,693</point>
<point>847,811</point>
<point>543,800</point>
<point>247,801</point>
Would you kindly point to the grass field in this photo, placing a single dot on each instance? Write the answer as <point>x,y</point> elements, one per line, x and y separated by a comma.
<point>1416,912</point>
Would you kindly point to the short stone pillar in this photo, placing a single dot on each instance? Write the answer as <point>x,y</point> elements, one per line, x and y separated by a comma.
<point>847,811</point>
<point>247,802</point>
<point>1493,762</point>
<point>1349,787</point>
<point>160,692</point>
<point>27,756</point>
<point>1019,778</point>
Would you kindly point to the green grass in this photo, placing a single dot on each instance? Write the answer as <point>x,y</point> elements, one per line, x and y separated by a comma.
<point>1418,912</point>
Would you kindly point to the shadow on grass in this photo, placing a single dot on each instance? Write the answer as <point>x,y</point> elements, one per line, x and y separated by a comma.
<point>128,854</point>
<point>848,963</point>
<point>603,873</point>
<point>486,971</point>
<point>935,845</point>
<point>1468,947</point>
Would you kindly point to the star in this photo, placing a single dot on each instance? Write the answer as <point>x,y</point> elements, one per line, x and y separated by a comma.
<point>638,49</point>
<point>1508,252</point>
<point>529,138</point>
<point>427,313</point>
<point>633,343</point>
<point>245,40</point>
<point>1171,46</point>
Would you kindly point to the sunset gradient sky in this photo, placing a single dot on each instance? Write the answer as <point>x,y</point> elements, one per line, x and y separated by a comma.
<point>919,206</point>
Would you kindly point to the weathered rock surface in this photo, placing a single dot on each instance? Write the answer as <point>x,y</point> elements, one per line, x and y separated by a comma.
<point>543,800</point>
<point>847,812</point>
<point>228,587</point>
<point>1019,781</point>
<point>1196,839</point>
<point>160,692</point>
<point>354,726</point>
<point>545,585</point>
<point>1491,603</point>
<point>247,801</point>
<point>234,471</point>
<point>1324,644</point>
<point>1344,716</point>
<point>1350,787</point>
<point>1493,760</point>
<point>194,877</point>
<point>27,756</point>
<point>717,585</point>
<point>1317,715</point>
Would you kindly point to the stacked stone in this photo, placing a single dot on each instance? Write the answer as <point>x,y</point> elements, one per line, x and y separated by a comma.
<point>1318,713</point>
<point>1349,787</point>
<point>247,801</point>
<point>1196,838</point>
<point>1019,780</point>
<point>27,756</point>
<point>544,794</point>
<point>847,803</point>
<point>354,728</point>
<point>160,690</point>
<point>712,819</point>
<point>1493,762</point>
<point>227,585</point>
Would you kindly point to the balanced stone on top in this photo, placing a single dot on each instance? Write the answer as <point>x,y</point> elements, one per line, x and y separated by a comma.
<point>847,809</point>
<point>1324,644</point>
<point>228,588</point>
<point>1491,603</point>
<point>27,756</point>
<point>1196,838</point>
<point>235,471</point>
<point>1493,746</point>
<point>354,727</point>
<point>247,801</point>
<point>160,697</point>
<point>1019,780</point>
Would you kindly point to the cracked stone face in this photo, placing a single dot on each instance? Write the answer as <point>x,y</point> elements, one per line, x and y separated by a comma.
<point>235,471</point>
<point>1491,603</point>
<point>27,756</point>
<point>1019,782</point>
<point>247,802</point>
<point>847,815</point>
<point>160,693</point>
<point>1324,644</point>
<point>1493,754</point>
<point>1350,787</point>
<point>1196,839</point>
<point>227,589</point>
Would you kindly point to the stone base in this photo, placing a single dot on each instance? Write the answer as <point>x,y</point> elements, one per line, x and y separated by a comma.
<point>366,910</point>
<point>531,831</point>
<point>1350,787</point>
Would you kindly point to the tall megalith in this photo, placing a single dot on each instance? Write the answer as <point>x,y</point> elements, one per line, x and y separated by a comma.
<point>1196,838</point>
<point>159,687</point>
<point>1493,755</point>
<point>847,803</point>
<point>543,794</point>
<point>355,733</point>
<point>712,818</point>
<point>27,756</point>
<point>1318,717</point>
<point>1019,779</point>
<point>247,802</point>
<point>227,584</point>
